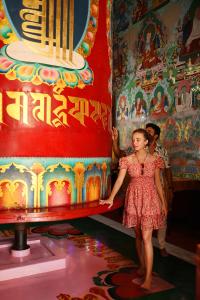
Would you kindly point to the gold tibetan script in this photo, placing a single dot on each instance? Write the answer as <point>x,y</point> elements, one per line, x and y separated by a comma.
<point>19,107</point>
<point>55,110</point>
<point>49,24</point>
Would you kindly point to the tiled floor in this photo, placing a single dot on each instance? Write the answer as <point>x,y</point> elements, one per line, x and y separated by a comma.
<point>100,264</point>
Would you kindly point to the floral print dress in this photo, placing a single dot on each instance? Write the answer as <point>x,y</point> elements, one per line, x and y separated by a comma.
<point>142,203</point>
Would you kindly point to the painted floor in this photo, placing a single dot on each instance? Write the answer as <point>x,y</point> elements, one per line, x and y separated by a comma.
<point>100,263</point>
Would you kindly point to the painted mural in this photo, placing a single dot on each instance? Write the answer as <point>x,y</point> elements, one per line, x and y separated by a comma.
<point>55,102</point>
<point>156,58</point>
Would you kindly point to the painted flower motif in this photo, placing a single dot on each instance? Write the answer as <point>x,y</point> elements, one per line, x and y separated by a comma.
<point>49,75</point>
<point>71,78</point>
<point>90,36</point>
<point>121,285</point>
<point>26,71</point>
<point>5,64</point>
<point>41,73</point>
<point>86,75</point>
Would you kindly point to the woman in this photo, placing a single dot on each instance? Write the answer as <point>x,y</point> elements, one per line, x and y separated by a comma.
<point>145,208</point>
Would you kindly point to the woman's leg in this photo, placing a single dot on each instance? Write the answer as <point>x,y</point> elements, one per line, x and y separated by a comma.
<point>139,249</point>
<point>148,257</point>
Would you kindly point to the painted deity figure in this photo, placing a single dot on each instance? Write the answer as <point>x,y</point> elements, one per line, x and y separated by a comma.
<point>148,49</point>
<point>122,111</point>
<point>139,107</point>
<point>159,104</point>
<point>183,100</point>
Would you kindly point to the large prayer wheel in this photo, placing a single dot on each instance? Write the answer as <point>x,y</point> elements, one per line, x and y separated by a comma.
<point>55,103</point>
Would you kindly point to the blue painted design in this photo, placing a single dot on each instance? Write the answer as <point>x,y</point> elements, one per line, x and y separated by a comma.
<point>81,18</point>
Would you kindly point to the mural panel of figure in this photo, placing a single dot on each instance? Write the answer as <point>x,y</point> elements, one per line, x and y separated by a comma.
<point>183,99</point>
<point>122,109</point>
<point>163,50</point>
<point>191,33</point>
<point>139,107</point>
<point>150,40</point>
<point>159,104</point>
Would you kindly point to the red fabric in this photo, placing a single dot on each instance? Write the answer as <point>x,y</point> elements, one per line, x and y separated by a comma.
<point>142,203</point>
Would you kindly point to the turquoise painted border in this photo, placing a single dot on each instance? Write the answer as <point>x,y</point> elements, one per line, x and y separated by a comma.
<point>59,172</point>
<point>45,161</point>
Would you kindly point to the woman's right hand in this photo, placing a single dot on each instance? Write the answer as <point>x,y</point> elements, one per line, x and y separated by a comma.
<point>106,201</point>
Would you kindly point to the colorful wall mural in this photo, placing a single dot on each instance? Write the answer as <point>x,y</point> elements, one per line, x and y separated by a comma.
<point>156,76</point>
<point>55,102</point>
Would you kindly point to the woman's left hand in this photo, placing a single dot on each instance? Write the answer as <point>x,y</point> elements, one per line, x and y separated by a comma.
<point>164,209</point>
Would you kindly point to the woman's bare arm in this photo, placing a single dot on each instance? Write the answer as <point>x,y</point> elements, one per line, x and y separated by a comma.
<point>115,189</point>
<point>160,190</point>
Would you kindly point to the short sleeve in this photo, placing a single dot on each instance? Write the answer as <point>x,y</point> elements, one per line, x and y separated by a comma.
<point>123,163</point>
<point>159,163</point>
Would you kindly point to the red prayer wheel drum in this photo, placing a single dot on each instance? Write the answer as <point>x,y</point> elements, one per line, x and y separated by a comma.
<point>55,102</point>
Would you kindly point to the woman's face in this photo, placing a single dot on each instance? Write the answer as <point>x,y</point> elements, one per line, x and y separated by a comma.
<point>139,142</point>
